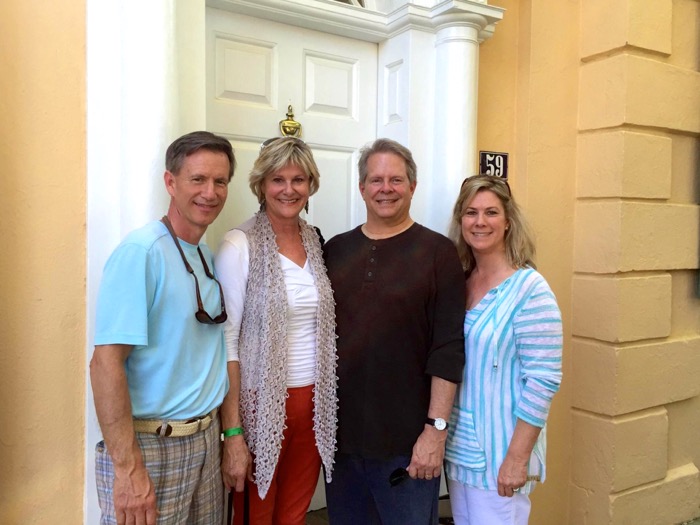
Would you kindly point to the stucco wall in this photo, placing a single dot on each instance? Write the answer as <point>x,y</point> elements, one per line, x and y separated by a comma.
<point>42,268</point>
<point>637,353</point>
<point>598,103</point>
<point>631,368</point>
<point>527,107</point>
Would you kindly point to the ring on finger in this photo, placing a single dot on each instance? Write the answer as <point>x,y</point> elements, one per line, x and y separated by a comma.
<point>517,489</point>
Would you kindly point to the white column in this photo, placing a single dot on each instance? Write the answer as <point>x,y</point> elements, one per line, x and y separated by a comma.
<point>457,55</point>
<point>145,87</point>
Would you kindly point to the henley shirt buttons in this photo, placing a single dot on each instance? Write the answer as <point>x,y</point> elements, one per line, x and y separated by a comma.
<point>372,262</point>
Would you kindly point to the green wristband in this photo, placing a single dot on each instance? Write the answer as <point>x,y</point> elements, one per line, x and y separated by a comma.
<point>235,431</point>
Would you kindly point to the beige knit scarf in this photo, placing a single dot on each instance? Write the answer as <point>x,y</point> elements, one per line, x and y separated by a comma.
<point>263,351</point>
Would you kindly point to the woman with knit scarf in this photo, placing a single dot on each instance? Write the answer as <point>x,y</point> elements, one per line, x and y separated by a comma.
<point>280,337</point>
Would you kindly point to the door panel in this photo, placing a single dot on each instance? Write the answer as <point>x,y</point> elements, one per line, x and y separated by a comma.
<point>255,69</point>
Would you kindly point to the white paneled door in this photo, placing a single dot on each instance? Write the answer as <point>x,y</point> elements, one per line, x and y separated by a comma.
<point>256,69</point>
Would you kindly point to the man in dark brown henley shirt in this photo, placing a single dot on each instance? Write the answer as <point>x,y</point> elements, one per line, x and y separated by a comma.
<point>400,300</point>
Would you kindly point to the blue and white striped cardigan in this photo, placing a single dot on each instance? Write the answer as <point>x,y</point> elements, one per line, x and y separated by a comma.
<point>513,342</point>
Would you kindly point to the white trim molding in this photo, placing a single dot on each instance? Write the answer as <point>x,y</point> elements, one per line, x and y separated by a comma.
<point>368,24</point>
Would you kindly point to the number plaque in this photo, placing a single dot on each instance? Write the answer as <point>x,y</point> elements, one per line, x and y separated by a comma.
<point>493,163</point>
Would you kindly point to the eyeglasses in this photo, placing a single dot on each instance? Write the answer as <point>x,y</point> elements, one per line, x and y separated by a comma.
<point>272,140</point>
<point>398,476</point>
<point>201,314</point>
<point>490,178</point>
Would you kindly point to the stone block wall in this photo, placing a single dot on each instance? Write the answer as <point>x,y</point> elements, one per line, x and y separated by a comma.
<point>636,315</point>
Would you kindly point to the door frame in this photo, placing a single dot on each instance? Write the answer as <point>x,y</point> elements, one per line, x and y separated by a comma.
<point>146,86</point>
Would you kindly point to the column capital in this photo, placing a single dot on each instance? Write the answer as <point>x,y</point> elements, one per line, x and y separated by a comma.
<point>452,14</point>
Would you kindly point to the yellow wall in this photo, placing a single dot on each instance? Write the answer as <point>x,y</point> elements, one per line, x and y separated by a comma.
<point>598,103</point>
<point>637,356</point>
<point>527,107</point>
<point>563,84</point>
<point>42,269</point>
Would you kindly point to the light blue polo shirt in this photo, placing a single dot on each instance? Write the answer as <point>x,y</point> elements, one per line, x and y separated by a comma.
<point>177,368</point>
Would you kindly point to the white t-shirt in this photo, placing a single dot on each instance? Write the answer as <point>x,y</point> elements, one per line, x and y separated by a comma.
<point>302,299</point>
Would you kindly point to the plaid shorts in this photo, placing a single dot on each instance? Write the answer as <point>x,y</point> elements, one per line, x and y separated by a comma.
<point>186,474</point>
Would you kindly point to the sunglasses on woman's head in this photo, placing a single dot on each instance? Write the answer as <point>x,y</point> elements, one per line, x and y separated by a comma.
<point>491,178</point>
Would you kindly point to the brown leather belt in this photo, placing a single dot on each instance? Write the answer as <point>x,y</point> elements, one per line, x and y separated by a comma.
<point>180,428</point>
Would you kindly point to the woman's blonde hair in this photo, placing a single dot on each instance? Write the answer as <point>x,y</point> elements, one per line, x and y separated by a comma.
<point>519,241</point>
<point>279,153</point>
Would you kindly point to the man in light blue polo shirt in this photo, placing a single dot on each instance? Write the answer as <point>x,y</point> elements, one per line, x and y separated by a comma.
<point>159,368</point>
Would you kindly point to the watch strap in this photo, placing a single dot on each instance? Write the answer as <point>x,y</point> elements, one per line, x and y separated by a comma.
<point>432,422</point>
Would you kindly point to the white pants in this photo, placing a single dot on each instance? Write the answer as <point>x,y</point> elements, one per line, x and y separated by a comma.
<point>472,506</point>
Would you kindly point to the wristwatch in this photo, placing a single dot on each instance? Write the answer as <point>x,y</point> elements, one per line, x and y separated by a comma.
<point>438,423</point>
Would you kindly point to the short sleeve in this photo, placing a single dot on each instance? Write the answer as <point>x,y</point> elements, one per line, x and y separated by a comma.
<point>126,291</point>
<point>446,357</point>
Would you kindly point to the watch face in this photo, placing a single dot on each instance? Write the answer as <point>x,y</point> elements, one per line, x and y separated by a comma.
<point>440,423</point>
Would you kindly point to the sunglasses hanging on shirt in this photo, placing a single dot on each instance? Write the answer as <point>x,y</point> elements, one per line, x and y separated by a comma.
<point>201,314</point>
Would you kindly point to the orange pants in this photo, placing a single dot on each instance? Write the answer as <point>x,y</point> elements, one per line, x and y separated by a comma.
<point>296,474</point>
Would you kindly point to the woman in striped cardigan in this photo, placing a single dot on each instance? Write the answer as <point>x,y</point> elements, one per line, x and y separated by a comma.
<point>513,339</point>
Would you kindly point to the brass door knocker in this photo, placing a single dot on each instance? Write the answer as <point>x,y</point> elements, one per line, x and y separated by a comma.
<point>290,127</point>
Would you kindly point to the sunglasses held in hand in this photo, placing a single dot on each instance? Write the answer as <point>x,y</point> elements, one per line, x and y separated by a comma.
<point>398,476</point>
